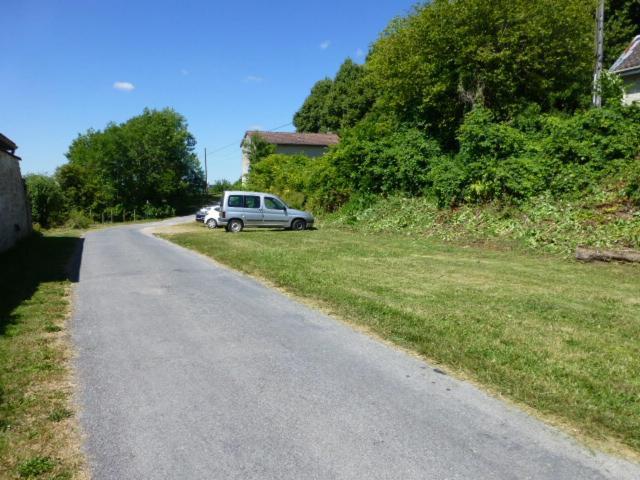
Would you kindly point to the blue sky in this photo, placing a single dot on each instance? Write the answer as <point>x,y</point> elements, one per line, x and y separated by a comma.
<point>226,66</point>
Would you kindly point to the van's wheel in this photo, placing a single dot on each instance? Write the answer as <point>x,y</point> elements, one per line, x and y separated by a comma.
<point>211,223</point>
<point>235,226</point>
<point>299,225</point>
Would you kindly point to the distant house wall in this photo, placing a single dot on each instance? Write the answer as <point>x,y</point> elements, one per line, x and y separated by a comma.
<point>632,89</point>
<point>308,150</point>
<point>288,143</point>
<point>15,215</point>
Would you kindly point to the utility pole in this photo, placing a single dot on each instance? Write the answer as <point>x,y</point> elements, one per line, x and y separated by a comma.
<point>597,76</point>
<point>206,174</point>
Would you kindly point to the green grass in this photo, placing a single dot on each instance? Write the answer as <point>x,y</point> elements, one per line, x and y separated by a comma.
<point>560,337</point>
<point>38,436</point>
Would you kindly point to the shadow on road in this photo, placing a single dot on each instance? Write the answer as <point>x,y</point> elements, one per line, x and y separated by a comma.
<point>36,260</point>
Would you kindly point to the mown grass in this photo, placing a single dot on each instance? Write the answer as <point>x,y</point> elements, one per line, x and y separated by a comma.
<point>560,337</point>
<point>38,433</point>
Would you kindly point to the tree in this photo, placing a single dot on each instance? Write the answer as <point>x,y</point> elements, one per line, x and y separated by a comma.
<point>217,188</point>
<point>622,23</point>
<point>310,117</point>
<point>148,161</point>
<point>259,149</point>
<point>447,56</point>
<point>336,104</point>
<point>45,196</point>
<point>349,99</point>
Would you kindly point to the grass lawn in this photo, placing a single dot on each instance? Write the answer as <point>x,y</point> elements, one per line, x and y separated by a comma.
<point>38,433</point>
<point>560,337</point>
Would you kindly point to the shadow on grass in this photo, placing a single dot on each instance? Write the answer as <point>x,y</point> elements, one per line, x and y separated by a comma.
<point>35,260</point>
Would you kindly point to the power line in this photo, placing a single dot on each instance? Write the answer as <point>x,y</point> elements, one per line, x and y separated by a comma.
<point>238,141</point>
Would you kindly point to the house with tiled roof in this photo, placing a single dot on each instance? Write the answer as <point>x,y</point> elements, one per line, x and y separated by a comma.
<point>288,143</point>
<point>628,68</point>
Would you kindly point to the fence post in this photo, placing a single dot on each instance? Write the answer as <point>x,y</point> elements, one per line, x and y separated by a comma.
<point>134,214</point>
<point>111,214</point>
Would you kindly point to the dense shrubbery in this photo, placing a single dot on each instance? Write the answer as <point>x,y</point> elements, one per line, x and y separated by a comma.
<point>46,198</point>
<point>564,156</point>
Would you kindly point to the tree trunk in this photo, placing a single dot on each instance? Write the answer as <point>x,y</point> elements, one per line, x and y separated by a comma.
<point>592,255</point>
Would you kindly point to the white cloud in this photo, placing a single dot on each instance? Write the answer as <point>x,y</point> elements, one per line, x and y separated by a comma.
<point>359,52</point>
<point>184,71</point>
<point>124,86</point>
<point>324,45</point>
<point>253,79</point>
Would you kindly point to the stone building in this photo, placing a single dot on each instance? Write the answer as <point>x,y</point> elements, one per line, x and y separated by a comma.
<point>628,68</point>
<point>15,213</point>
<point>289,143</point>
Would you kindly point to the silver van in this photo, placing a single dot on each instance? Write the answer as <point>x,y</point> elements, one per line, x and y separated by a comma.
<point>258,209</point>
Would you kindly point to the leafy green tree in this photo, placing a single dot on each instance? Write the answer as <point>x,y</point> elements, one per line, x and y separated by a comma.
<point>218,187</point>
<point>622,24</point>
<point>147,162</point>
<point>349,99</point>
<point>310,117</point>
<point>434,65</point>
<point>336,104</point>
<point>259,149</point>
<point>47,201</point>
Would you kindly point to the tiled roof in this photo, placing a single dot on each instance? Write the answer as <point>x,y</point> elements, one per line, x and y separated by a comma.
<point>293,138</point>
<point>630,59</point>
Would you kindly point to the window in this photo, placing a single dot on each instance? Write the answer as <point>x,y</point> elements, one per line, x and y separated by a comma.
<point>251,202</point>
<point>273,203</point>
<point>235,200</point>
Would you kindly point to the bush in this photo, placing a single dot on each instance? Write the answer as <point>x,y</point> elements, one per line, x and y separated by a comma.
<point>153,211</point>
<point>376,157</point>
<point>77,219</point>
<point>559,154</point>
<point>47,201</point>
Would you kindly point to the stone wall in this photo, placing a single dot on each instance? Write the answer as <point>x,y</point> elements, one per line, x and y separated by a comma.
<point>15,215</point>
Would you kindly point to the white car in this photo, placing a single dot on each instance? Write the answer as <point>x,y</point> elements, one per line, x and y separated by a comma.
<point>212,218</point>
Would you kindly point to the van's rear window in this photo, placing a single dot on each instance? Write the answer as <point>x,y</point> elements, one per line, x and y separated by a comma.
<point>235,201</point>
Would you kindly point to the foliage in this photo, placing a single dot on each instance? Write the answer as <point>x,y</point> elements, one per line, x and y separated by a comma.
<point>432,66</point>
<point>148,159</point>
<point>336,104</point>
<point>219,186</point>
<point>310,116</point>
<point>36,466</point>
<point>157,211</point>
<point>378,157</point>
<point>284,175</point>
<point>622,24</point>
<point>78,220</point>
<point>259,149</point>
<point>46,197</point>
<point>541,223</point>
<point>565,155</point>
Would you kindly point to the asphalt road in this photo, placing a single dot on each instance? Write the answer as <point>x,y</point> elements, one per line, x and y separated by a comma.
<point>190,371</point>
